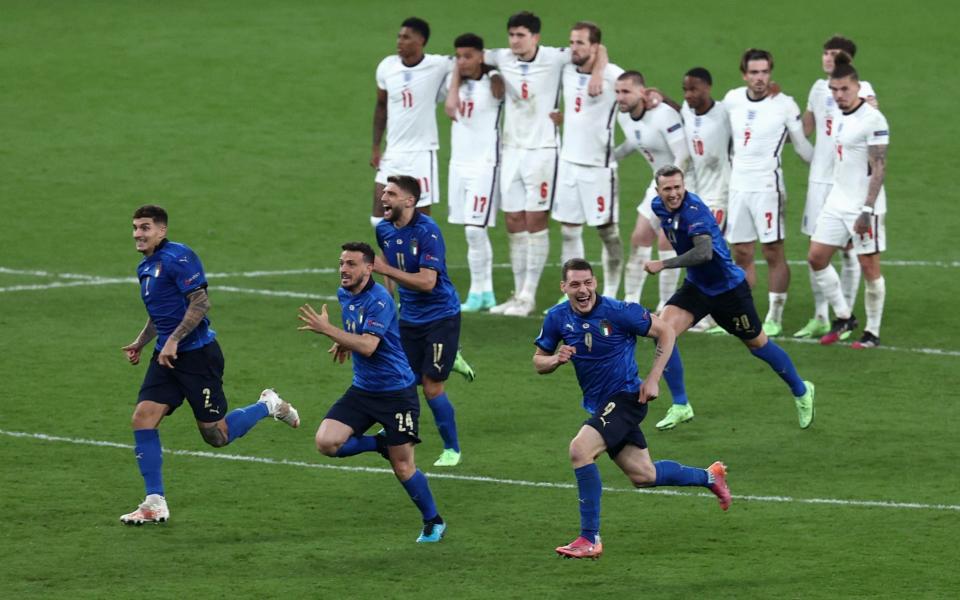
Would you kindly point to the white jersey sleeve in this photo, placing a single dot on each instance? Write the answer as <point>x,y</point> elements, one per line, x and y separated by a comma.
<point>708,142</point>
<point>588,121</point>
<point>475,135</point>
<point>856,132</point>
<point>412,95</point>
<point>533,92</point>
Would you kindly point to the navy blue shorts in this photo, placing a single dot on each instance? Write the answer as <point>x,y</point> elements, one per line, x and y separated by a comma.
<point>431,348</point>
<point>197,375</point>
<point>733,310</point>
<point>398,411</point>
<point>619,422</point>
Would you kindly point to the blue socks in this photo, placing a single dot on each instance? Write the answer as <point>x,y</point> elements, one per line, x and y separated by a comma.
<point>149,459</point>
<point>673,473</point>
<point>781,364</point>
<point>443,415</point>
<point>590,488</point>
<point>673,373</point>
<point>242,420</point>
<point>356,445</point>
<point>419,491</point>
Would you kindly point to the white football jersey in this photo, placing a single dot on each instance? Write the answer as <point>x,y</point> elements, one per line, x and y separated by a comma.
<point>708,141</point>
<point>412,96</point>
<point>657,135</point>
<point>825,112</point>
<point>759,129</point>
<point>475,135</point>
<point>533,92</point>
<point>588,121</point>
<point>856,131</point>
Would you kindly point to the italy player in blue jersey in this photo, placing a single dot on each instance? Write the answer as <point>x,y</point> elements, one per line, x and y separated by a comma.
<point>714,285</point>
<point>384,389</point>
<point>186,362</point>
<point>414,259</point>
<point>599,336</point>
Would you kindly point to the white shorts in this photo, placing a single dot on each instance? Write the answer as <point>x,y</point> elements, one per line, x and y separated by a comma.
<point>473,194</point>
<point>816,196</point>
<point>754,216</point>
<point>835,228</point>
<point>719,210</point>
<point>528,179</point>
<point>586,194</point>
<point>422,166</point>
<point>645,208</point>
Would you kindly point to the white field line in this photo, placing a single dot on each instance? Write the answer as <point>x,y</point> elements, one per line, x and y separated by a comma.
<point>493,480</point>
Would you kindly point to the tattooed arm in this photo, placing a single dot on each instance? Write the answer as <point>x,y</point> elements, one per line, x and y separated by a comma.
<point>665,338</point>
<point>877,157</point>
<point>198,308</point>
<point>132,350</point>
<point>701,252</point>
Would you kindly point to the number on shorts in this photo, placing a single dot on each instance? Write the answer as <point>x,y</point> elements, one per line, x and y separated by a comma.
<point>769,217</point>
<point>479,203</point>
<point>608,408</point>
<point>868,234</point>
<point>404,422</point>
<point>544,189</point>
<point>524,92</point>
<point>718,215</point>
<point>407,98</point>
<point>578,104</point>
<point>741,323</point>
<point>424,185</point>
<point>698,146</point>
<point>601,204</point>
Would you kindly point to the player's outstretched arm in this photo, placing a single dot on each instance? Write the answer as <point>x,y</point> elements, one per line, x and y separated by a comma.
<point>423,280</point>
<point>701,252</point>
<point>545,362</point>
<point>665,338</point>
<point>877,158</point>
<point>132,350</point>
<point>319,322</point>
<point>197,309</point>
<point>379,126</point>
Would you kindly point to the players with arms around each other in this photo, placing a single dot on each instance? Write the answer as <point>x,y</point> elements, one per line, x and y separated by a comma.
<point>383,390</point>
<point>821,116</point>
<point>475,101</point>
<point>856,206</point>
<point>598,335</point>
<point>714,285</point>
<point>414,258</point>
<point>409,85</point>
<point>186,362</point>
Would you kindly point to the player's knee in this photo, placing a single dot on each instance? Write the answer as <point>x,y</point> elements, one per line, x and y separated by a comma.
<point>326,446</point>
<point>214,436</point>
<point>579,454</point>
<point>644,476</point>
<point>403,468</point>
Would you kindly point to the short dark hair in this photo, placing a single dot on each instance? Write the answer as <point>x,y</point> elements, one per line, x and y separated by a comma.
<point>407,184</point>
<point>755,54</point>
<point>634,76</point>
<point>838,42</point>
<point>526,19</point>
<point>591,27</point>
<point>420,26</point>
<point>468,40</point>
<point>575,264</point>
<point>701,74</point>
<point>667,171</point>
<point>843,67</point>
<point>362,247</point>
<point>151,211</point>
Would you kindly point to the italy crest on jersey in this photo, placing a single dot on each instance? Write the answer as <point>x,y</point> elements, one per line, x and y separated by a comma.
<point>414,247</point>
<point>605,328</point>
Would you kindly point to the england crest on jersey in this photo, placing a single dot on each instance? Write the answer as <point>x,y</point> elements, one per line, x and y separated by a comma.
<point>524,68</point>
<point>407,76</point>
<point>751,115</point>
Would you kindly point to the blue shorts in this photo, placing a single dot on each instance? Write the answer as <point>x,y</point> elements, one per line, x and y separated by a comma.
<point>431,348</point>
<point>733,310</point>
<point>197,375</point>
<point>398,411</point>
<point>618,422</point>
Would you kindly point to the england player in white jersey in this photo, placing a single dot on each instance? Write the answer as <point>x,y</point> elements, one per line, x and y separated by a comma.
<point>760,123</point>
<point>530,140</point>
<point>475,162</point>
<point>409,85</point>
<point>587,187</point>
<point>856,206</point>
<point>821,116</point>
<point>656,132</point>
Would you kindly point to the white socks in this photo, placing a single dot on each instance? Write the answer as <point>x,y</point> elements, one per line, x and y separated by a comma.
<point>612,259</point>
<point>538,249</point>
<point>850,277</point>
<point>668,278</point>
<point>829,283</point>
<point>876,292</point>
<point>518,259</point>
<point>480,259</point>
<point>634,276</point>
<point>777,300</point>
<point>571,245</point>
<point>821,310</point>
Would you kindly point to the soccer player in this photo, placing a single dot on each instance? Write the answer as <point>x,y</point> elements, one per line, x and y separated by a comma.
<point>414,258</point>
<point>186,362</point>
<point>476,101</point>
<point>714,285</point>
<point>760,122</point>
<point>821,116</point>
<point>587,188</point>
<point>656,132</point>
<point>598,335</point>
<point>855,207</point>
<point>383,390</point>
<point>408,88</point>
<point>529,168</point>
<point>707,129</point>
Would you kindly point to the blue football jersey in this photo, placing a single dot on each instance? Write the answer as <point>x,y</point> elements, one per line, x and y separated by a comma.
<point>693,218</point>
<point>373,311</point>
<point>419,245</point>
<point>605,340</point>
<point>166,277</point>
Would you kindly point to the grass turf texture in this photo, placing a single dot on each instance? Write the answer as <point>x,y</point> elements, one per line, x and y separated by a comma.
<point>251,124</point>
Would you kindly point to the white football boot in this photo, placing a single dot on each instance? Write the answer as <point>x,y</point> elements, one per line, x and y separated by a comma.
<point>152,510</point>
<point>279,409</point>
